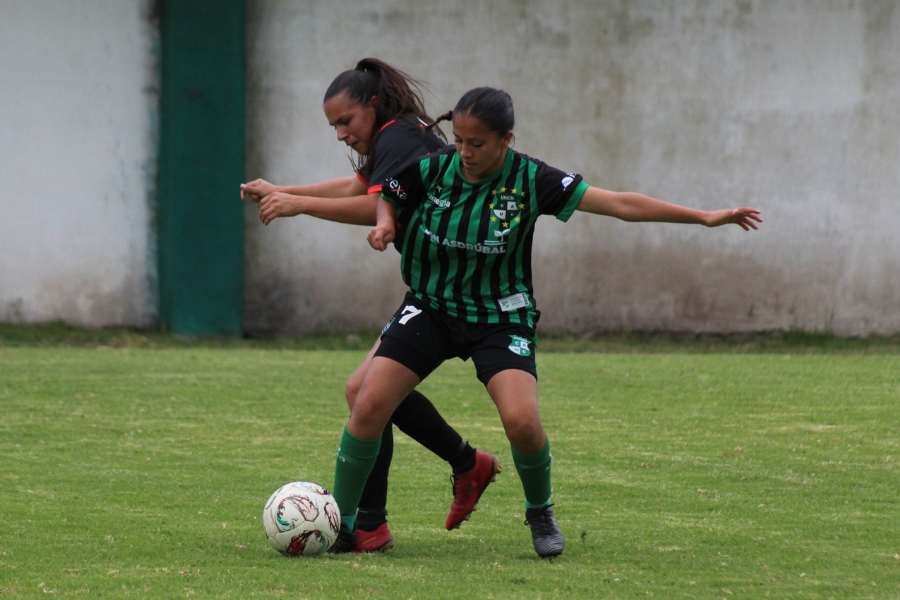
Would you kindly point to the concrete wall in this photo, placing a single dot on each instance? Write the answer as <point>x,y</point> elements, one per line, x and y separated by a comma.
<point>77,161</point>
<point>791,107</point>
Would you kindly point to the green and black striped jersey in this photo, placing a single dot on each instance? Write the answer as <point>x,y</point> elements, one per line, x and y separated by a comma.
<point>467,246</point>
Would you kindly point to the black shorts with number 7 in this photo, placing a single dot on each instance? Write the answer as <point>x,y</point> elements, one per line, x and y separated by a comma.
<point>421,338</point>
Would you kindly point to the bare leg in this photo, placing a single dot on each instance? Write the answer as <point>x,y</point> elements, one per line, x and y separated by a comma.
<point>373,502</point>
<point>514,392</point>
<point>353,385</point>
<point>386,384</point>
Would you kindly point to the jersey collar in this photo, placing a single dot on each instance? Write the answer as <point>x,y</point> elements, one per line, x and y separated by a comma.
<point>503,168</point>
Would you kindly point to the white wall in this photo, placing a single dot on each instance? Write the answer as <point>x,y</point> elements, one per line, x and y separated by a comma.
<point>791,107</point>
<point>77,161</point>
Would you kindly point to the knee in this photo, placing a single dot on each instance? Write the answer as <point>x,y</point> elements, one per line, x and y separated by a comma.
<point>369,417</point>
<point>351,389</point>
<point>525,433</point>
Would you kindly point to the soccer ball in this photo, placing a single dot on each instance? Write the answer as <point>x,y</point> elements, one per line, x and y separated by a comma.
<point>301,519</point>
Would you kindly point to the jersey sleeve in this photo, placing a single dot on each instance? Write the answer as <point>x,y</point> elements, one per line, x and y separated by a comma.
<point>405,189</point>
<point>398,144</point>
<point>558,192</point>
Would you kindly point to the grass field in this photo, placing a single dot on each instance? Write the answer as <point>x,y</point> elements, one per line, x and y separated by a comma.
<point>136,465</point>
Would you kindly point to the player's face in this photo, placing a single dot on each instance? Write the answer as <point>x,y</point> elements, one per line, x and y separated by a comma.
<point>481,151</point>
<point>351,120</point>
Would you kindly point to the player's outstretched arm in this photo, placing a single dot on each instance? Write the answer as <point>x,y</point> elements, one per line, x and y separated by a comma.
<point>256,190</point>
<point>341,187</point>
<point>343,200</point>
<point>353,210</point>
<point>630,206</point>
<point>384,231</point>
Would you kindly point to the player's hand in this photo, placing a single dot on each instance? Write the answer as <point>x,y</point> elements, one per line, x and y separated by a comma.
<point>744,217</point>
<point>278,204</point>
<point>256,190</point>
<point>380,237</point>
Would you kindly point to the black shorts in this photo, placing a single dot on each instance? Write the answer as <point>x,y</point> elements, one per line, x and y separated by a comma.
<point>421,338</point>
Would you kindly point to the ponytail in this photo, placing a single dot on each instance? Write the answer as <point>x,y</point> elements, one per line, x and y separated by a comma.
<point>399,95</point>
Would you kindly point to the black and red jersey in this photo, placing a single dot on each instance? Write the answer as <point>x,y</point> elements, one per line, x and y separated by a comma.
<point>397,143</point>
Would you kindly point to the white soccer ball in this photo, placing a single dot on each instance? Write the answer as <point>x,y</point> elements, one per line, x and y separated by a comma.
<point>301,519</point>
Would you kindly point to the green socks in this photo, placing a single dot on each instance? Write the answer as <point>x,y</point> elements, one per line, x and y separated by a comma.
<point>534,471</point>
<point>355,459</point>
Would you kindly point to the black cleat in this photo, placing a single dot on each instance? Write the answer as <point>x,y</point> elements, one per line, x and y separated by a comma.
<point>548,539</point>
<point>345,542</point>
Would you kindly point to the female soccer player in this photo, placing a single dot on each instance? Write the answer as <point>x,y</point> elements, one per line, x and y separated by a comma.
<point>378,111</point>
<point>466,257</point>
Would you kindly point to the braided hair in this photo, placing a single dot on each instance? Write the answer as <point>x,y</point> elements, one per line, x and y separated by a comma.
<point>493,107</point>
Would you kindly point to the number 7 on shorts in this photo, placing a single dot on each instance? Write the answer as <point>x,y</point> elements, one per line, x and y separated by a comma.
<point>409,311</point>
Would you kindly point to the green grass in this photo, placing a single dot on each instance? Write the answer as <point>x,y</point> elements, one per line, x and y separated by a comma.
<point>794,341</point>
<point>137,465</point>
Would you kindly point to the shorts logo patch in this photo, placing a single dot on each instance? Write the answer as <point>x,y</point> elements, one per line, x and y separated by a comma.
<point>519,345</point>
<point>388,326</point>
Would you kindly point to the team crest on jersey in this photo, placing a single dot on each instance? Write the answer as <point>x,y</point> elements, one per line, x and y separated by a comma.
<point>505,207</point>
<point>519,345</point>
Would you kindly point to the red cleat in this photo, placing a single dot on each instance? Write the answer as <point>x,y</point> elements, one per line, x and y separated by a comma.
<point>469,486</point>
<point>377,540</point>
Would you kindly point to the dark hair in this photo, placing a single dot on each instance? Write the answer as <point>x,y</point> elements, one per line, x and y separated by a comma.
<point>493,107</point>
<point>399,95</point>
